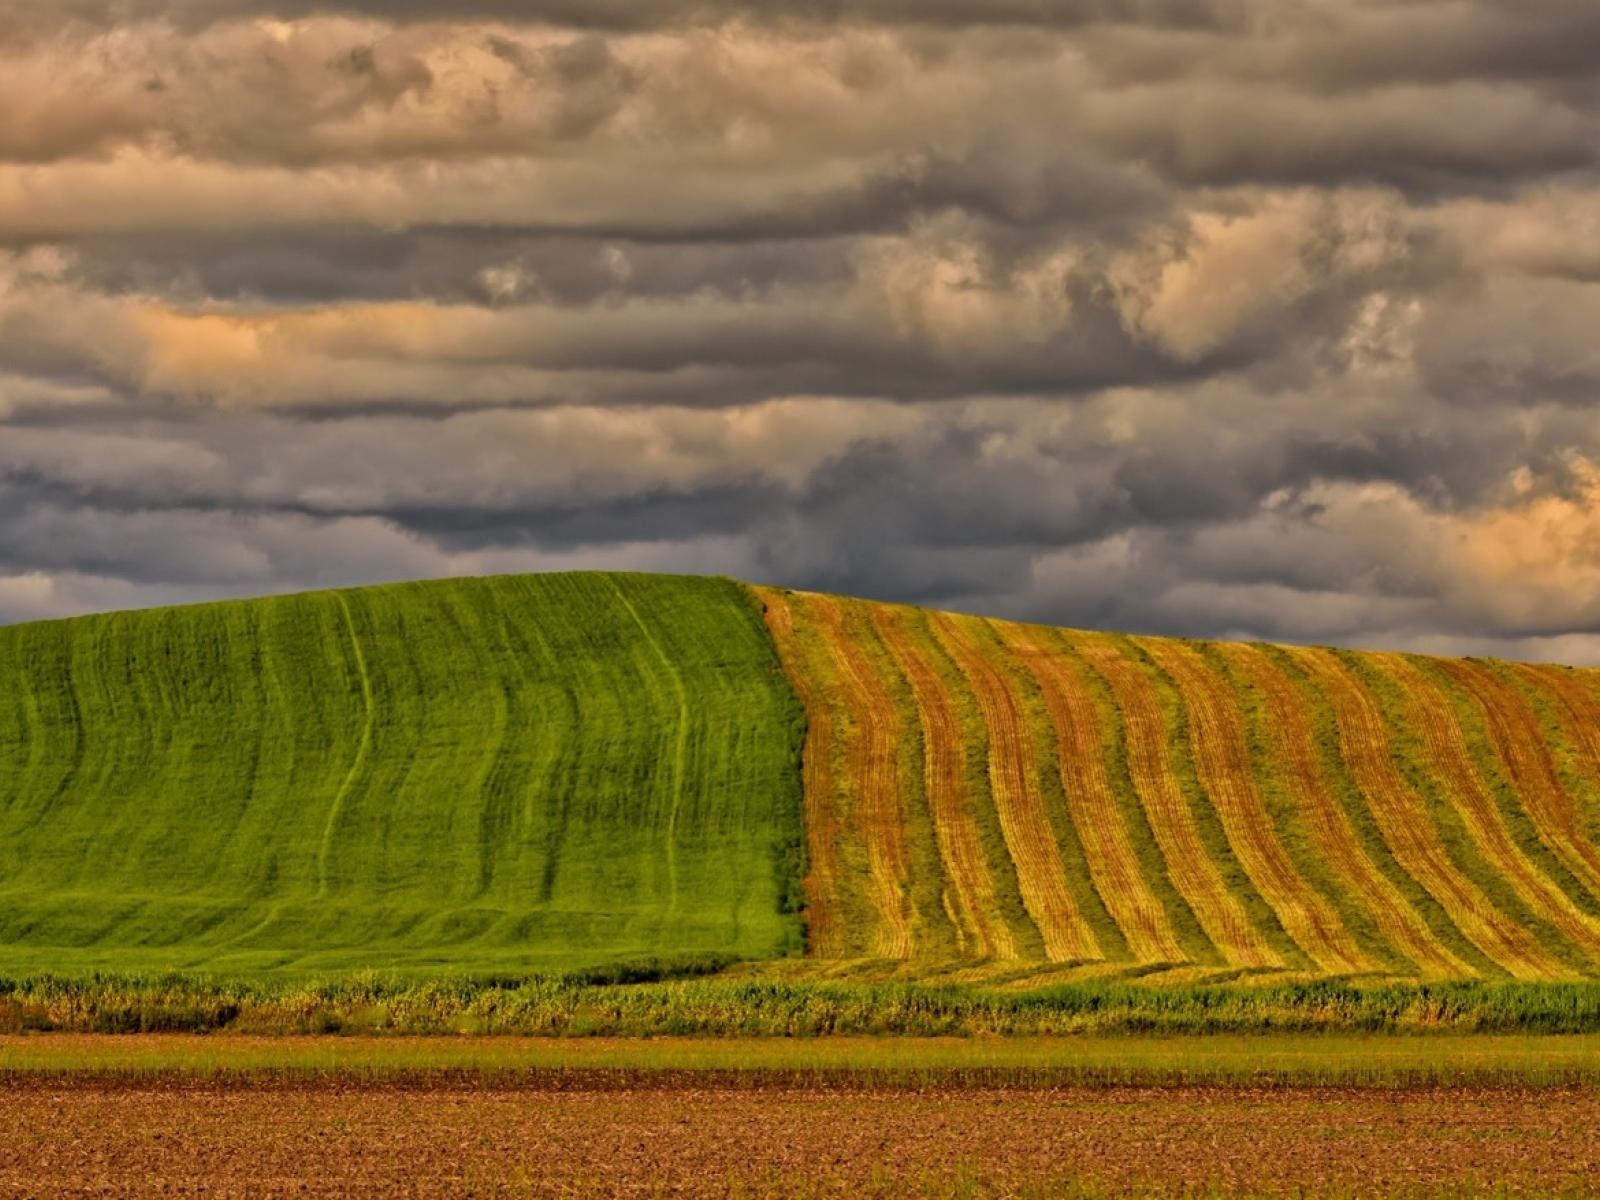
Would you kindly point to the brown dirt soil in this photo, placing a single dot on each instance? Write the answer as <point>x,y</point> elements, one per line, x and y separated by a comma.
<point>1293,744</point>
<point>1404,821</point>
<point>622,1135</point>
<point>1107,844</point>
<point>1222,761</point>
<point>1018,801</point>
<point>1193,873</point>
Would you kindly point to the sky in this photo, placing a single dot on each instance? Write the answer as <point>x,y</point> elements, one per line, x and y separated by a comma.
<point>1228,318</point>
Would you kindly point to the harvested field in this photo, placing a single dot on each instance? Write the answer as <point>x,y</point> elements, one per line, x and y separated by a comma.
<point>1194,872</point>
<point>1223,763</point>
<point>651,1134</point>
<point>1335,836</point>
<point>1107,842</point>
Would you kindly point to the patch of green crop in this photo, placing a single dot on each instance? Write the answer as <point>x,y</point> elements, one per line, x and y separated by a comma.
<point>484,774</point>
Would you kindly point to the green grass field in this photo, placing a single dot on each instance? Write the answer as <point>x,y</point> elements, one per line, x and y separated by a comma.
<point>508,773</point>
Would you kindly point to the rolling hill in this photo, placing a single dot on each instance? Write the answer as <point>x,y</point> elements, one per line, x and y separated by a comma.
<point>541,772</point>
<point>490,774</point>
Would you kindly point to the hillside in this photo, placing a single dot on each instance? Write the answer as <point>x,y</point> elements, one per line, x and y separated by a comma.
<point>489,774</point>
<point>978,788</point>
<point>542,772</point>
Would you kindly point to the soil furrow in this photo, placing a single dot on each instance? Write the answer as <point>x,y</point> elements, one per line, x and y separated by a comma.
<point>945,769</point>
<point>1409,829</point>
<point>872,764</point>
<point>1447,749</point>
<point>1335,836</point>
<point>1222,761</point>
<point>820,783</point>
<point>1193,872</point>
<point>1019,802</point>
<point>1100,825</point>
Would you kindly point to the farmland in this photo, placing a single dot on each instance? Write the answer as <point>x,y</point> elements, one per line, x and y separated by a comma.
<point>1181,811</point>
<point>507,780</point>
<point>839,1131</point>
<point>509,774</point>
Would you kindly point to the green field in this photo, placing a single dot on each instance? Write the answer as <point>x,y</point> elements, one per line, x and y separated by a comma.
<point>491,774</point>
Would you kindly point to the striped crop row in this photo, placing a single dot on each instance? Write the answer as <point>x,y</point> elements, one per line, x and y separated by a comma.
<point>982,790</point>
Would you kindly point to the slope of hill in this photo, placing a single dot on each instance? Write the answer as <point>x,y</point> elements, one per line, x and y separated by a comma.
<point>489,774</point>
<point>981,789</point>
<point>523,773</point>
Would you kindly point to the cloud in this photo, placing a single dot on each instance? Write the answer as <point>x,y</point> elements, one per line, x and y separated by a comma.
<point>1221,317</point>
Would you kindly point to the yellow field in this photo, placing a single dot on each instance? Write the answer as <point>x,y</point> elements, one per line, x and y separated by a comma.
<point>997,801</point>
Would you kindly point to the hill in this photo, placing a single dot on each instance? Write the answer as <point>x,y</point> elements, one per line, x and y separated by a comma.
<point>978,788</point>
<point>546,772</point>
<point>486,774</point>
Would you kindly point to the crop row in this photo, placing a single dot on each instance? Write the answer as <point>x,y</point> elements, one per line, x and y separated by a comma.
<point>1093,798</point>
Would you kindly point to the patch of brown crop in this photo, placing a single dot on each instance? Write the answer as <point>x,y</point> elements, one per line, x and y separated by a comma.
<point>634,1137</point>
<point>819,782</point>
<point>1177,833</point>
<point>1429,709</point>
<point>1018,800</point>
<point>945,770</point>
<point>1293,745</point>
<point>1407,828</point>
<point>1222,762</point>
<point>1107,844</point>
<point>1524,752</point>
<point>872,763</point>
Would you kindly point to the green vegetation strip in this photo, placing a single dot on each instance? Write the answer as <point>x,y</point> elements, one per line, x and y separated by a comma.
<point>663,1001</point>
<point>1349,1059</point>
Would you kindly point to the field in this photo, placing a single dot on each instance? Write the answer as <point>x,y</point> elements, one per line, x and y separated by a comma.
<point>842,1117</point>
<point>486,774</point>
<point>1110,806</point>
<point>770,893</point>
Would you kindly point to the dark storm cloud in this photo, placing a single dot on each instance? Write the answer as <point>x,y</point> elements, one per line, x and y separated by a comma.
<point>1225,317</point>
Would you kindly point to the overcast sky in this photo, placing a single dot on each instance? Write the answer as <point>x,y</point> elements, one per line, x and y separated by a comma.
<point>1265,318</point>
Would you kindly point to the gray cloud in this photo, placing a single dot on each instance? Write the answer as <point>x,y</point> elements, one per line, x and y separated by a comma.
<point>1228,318</point>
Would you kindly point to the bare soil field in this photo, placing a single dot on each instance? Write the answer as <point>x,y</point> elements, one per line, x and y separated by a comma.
<point>621,1133</point>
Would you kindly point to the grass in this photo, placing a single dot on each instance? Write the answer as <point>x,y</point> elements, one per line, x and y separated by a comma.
<point>1357,1059</point>
<point>463,775</point>
<point>680,998</point>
